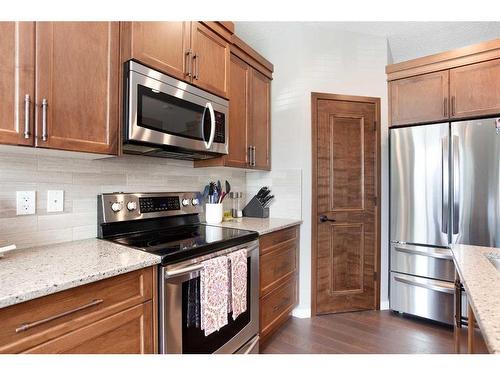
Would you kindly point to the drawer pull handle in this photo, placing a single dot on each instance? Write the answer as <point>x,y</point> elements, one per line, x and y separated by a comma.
<point>430,254</point>
<point>26,326</point>
<point>437,288</point>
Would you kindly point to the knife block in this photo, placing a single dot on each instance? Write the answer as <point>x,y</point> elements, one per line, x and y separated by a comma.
<point>254,209</point>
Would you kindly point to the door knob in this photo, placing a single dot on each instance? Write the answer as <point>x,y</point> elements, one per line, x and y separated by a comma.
<point>323,218</point>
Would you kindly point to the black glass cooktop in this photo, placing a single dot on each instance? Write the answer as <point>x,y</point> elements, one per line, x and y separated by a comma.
<point>185,242</point>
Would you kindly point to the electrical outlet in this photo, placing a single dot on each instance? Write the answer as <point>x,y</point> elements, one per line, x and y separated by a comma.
<point>25,202</point>
<point>55,200</point>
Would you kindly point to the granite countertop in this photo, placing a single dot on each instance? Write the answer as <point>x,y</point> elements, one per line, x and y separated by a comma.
<point>481,281</point>
<point>35,272</point>
<point>262,226</point>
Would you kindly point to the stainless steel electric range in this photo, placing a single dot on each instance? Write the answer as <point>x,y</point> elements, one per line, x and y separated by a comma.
<point>168,225</point>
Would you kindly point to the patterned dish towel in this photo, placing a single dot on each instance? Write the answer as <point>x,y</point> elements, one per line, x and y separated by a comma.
<point>238,283</point>
<point>214,281</point>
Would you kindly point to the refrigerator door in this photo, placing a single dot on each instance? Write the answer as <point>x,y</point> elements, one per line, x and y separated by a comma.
<point>475,174</point>
<point>419,188</point>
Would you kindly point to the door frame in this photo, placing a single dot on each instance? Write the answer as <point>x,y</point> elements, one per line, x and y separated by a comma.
<point>315,96</point>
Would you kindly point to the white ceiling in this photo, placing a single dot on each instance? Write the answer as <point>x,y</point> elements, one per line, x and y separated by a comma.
<point>406,40</point>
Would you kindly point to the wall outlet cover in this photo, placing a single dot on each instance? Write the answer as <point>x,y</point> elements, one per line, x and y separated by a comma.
<point>55,200</point>
<point>25,202</point>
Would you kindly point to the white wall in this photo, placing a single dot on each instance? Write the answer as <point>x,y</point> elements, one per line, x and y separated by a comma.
<point>308,59</point>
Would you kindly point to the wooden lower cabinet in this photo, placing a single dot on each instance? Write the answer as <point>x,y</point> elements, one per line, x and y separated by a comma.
<point>279,259</point>
<point>128,332</point>
<point>114,315</point>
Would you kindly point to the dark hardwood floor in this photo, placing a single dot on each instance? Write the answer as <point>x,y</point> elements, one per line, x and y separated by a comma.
<point>367,332</point>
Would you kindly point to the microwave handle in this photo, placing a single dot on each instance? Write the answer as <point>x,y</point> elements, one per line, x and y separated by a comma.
<point>212,124</point>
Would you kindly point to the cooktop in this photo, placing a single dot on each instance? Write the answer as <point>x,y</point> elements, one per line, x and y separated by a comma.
<point>185,242</point>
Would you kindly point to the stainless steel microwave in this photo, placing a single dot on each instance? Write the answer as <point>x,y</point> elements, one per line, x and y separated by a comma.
<point>165,117</point>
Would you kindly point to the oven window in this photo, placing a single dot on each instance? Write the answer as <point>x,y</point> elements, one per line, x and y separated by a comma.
<point>169,114</point>
<point>193,338</point>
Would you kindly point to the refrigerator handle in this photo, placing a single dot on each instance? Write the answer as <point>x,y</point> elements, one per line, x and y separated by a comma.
<point>456,183</point>
<point>445,185</point>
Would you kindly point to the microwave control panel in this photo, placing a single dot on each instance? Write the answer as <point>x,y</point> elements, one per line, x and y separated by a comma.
<point>220,128</point>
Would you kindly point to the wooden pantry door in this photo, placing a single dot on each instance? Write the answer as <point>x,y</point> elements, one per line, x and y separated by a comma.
<point>345,213</point>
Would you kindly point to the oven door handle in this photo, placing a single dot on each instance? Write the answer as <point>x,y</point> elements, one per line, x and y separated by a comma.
<point>181,271</point>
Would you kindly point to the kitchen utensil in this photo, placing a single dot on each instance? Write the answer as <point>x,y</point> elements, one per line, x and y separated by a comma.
<point>261,191</point>
<point>266,201</point>
<point>228,187</point>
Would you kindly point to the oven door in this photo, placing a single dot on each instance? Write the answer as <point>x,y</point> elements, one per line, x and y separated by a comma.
<point>178,336</point>
<point>163,111</point>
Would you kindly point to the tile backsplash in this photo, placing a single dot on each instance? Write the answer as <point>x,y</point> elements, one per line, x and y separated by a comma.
<point>285,185</point>
<point>82,180</point>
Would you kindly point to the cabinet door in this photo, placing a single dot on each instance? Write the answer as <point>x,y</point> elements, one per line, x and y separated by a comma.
<point>419,99</point>
<point>127,332</point>
<point>77,77</point>
<point>260,119</point>
<point>17,86</point>
<point>238,113</point>
<point>475,89</point>
<point>210,60</point>
<point>163,46</point>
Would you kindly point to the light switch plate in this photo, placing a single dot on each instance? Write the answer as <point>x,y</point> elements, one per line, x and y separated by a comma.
<point>25,202</point>
<point>55,200</point>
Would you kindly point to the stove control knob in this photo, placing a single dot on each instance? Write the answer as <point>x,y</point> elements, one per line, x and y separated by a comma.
<point>116,207</point>
<point>185,202</point>
<point>195,202</point>
<point>131,206</point>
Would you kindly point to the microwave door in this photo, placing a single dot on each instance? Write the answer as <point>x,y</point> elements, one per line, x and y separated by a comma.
<point>419,185</point>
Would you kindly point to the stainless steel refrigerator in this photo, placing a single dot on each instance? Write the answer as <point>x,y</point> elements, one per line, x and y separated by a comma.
<point>444,188</point>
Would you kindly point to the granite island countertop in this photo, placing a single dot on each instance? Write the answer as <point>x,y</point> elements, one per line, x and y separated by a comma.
<point>481,281</point>
<point>27,274</point>
<point>262,226</point>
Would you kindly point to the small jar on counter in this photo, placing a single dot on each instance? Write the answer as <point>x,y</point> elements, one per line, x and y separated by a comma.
<point>236,198</point>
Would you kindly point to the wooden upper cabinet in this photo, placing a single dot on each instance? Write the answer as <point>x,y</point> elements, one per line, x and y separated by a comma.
<point>238,113</point>
<point>77,77</point>
<point>260,121</point>
<point>475,89</point>
<point>419,99</point>
<point>161,45</point>
<point>17,88</point>
<point>211,57</point>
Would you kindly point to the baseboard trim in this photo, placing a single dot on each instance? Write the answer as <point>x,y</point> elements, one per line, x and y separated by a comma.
<point>302,312</point>
<point>384,305</point>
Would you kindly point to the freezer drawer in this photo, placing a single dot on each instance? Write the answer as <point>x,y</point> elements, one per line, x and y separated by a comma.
<point>434,263</point>
<point>431,299</point>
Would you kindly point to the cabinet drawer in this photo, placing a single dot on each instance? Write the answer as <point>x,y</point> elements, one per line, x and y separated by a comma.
<point>431,299</point>
<point>127,332</point>
<point>277,305</point>
<point>33,322</point>
<point>423,261</point>
<point>277,265</point>
<point>268,241</point>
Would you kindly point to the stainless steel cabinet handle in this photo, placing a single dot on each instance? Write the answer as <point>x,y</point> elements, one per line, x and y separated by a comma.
<point>445,107</point>
<point>456,183</point>
<point>254,156</point>
<point>27,102</point>
<point>44,119</point>
<point>196,69</point>
<point>430,285</point>
<point>189,63</point>
<point>445,185</point>
<point>26,326</point>
<point>453,105</point>
<point>251,156</point>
